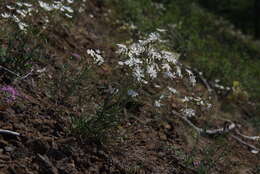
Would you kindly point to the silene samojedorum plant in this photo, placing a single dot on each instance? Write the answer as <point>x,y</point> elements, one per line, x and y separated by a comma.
<point>150,63</point>
<point>144,63</point>
<point>25,9</point>
<point>97,124</point>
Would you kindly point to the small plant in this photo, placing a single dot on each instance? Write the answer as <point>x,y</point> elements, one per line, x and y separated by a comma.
<point>96,127</point>
<point>8,96</point>
<point>96,108</point>
<point>10,93</point>
<point>19,52</point>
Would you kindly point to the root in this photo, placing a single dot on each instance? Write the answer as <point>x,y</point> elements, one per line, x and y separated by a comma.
<point>228,127</point>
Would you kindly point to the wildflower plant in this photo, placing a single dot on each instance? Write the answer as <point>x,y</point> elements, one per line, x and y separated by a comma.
<point>10,93</point>
<point>95,105</point>
<point>147,62</point>
<point>21,12</point>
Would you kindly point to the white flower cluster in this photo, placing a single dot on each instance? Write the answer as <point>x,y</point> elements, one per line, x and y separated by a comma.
<point>23,10</point>
<point>146,61</point>
<point>188,112</point>
<point>96,55</point>
<point>197,100</point>
<point>58,5</point>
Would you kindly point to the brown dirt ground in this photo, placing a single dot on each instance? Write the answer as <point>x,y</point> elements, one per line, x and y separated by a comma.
<point>141,144</point>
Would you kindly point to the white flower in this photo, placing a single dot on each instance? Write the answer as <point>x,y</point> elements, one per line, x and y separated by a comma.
<point>166,66</point>
<point>152,71</point>
<point>157,103</point>
<point>209,105</point>
<point>169,74</point>
<point>133,62</point>
<point>136,49</point>
<point>27,4</point>
<point>10,7</point>
<point>138,73</point>
<point>154,37</point>
<point>57,6</point>
<point>68,15</point>
<point>193,80</point>
<point>70,1</point>
<point>22,26</point>
<point>186,99</point>
<point>5,15</point>
<point>170,57</point>
<point>189,72</point>
<point>132,26</point>
<point>45,6</point>
<point>161,30</point>
<point>91,52</point>
<point>81,9</point>
<point>179,71</point>
<point>99,59</point>
<point>96,56</point>
<point>16,19</point>
<point>122,49</point>
<point>154,54</point>
<point>121,63</point>
<point>219,86</point>
<point>68,9</point>
<point>188,112</point>
<point>19,4</point>
<point>157,86</point>
<point>174,91</point>
<point>201,103</point>
<point>22,12</point>
<point>132,93</point>
<point>162,96</point>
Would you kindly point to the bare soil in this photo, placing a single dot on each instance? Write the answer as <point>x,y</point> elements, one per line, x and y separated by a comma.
<point>143,143</point>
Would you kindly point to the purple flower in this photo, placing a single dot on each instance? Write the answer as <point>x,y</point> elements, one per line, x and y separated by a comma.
<point>13,93</point>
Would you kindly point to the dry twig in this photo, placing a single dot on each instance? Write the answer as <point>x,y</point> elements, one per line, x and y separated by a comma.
<point>254,149</point>
<point>225,129</point>
<point>18,76</point>
<point>3,131</point>
<point>255,138</point>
